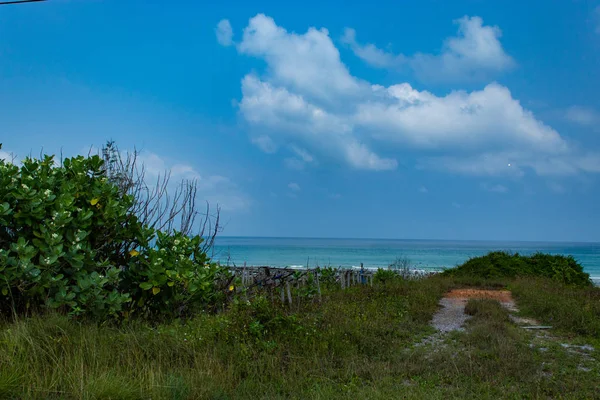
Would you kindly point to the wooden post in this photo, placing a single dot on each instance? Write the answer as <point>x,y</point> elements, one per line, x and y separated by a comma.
<point>318,285</point>
<point>244,275</point>
<point>289,292</point>
<point>282,293</point>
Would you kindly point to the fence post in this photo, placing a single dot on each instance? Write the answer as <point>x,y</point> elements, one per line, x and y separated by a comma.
<point>289,292</point>
<point>318,284</point>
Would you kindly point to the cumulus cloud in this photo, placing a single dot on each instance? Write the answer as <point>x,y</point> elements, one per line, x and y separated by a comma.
<point>582,115</point>
<point>308,62</point>
<point>224,33</point>
<point>287,113</point>
<point>371,53</point>
<point>487,117</point>
<point>308,98</point>
<point>475,53</point>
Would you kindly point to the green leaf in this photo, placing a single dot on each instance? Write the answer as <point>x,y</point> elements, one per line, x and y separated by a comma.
<point>146,285</point>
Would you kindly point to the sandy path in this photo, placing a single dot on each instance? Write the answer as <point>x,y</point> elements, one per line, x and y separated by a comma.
<point>452,317</point>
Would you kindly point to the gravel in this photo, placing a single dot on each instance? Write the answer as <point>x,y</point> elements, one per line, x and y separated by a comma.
<point>451,317</point>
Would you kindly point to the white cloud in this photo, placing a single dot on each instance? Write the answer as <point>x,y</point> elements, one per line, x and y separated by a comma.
<point>308,98</point>
<point>302,154</point>
<point>308,62</point>
<point>224,33</point>
<point>265,143</point>
<point>294,186</point>
<point>286,113</point>
<point>371,53</point>
<point>487,117</point>
<point>6,156</point>
<point>582,115</point>
<point>494,188</point>
<point>474,54</point>
<point>300,160</point>
<point>215,189</point>
<point>516,164</point>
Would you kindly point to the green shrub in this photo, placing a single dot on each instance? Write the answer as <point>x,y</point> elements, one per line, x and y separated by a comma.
<point>328,277</point>
<point>385,275</point>
<point>69,241</point>
<point>498,264</point>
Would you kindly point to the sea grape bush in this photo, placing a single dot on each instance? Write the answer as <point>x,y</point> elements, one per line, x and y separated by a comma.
<point>69,241</point>
<point>499,264</point>
<point>173,276</point>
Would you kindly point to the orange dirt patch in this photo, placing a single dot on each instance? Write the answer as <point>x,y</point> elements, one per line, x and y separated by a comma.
<point>502,296</point>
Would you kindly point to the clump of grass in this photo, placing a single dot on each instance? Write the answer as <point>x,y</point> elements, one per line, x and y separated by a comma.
<point>573,310</point>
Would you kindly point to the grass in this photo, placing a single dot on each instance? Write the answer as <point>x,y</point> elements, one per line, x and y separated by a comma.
<point>360,342</point>
<point>575,311</point>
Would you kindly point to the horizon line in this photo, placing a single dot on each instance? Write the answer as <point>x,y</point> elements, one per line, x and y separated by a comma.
<point>431,240</point>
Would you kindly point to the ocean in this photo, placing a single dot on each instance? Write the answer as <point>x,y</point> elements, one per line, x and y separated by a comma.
<point>429,255</point>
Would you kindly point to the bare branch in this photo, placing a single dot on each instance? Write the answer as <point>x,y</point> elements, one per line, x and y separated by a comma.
<point>155,205</point>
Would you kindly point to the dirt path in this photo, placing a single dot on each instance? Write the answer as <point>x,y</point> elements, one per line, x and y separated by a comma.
<point>452,317</point>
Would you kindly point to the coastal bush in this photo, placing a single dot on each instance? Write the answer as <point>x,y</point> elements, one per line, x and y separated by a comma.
<point>386,275</point>
<point>328,277</point>
<point>498,264</point>
<point>69,241</point>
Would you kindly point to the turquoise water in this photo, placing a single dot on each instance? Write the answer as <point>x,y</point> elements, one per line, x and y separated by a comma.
<point>423,254</point>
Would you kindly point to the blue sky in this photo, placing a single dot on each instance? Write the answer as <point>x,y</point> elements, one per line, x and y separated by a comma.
<point>405,119</point>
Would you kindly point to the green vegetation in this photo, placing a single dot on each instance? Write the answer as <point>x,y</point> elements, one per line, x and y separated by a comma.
<point>100,300</point>
<point>351,341</point>
<point>575,311</point>
<point>500,265</point>
<point>70,241</point>
<point>366,342</point>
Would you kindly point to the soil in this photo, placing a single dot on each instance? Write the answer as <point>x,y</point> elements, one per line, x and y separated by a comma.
<point>452,317</point>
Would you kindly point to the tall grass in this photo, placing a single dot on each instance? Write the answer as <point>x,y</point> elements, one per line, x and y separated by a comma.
<point>570,309</point>
<point>361,342</point>
<point>253,350</point>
